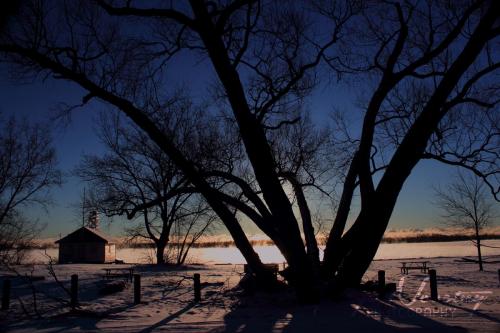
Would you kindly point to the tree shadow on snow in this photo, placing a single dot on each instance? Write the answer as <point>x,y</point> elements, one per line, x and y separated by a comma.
<point>359,312</point>
<point>169,318</point>
<point>79,320</point>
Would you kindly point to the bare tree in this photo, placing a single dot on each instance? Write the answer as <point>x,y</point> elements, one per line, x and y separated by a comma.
<point>135,179</point>
<point>27,172</point>
<point>265,56</point>
<point>431,70</point>
<point>465,203</point>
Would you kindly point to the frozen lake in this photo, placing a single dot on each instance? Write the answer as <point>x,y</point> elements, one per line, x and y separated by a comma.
<point>270,254</point>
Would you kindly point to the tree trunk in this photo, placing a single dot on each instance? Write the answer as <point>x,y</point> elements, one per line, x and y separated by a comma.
<point>260,155</point>
<point>361,242</point>
<point>359,246</point>
<point>333,247</point>
<point>182,258</point>
<point>478,246</point>
<point>160,252</point>
<point>310,237</point>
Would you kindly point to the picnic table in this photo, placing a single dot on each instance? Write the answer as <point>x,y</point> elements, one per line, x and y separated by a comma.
<point>406,266</point>
<point>117,272</point>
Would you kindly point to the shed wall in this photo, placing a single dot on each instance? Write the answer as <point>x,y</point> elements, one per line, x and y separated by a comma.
<point>82,252</point>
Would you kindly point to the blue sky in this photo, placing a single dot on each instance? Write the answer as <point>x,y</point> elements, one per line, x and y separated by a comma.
<point>38,100</point>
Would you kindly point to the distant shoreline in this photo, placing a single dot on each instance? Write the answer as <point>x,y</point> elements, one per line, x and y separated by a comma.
<point>418,238</point>
<point>271,254</point>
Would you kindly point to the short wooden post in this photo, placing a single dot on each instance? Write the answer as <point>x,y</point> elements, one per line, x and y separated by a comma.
<point>197,288</point>
<point>381,282</point>
<point>74,290</point>
<point>137,288</point>
<point>433,281</point>
<point>6,294</point>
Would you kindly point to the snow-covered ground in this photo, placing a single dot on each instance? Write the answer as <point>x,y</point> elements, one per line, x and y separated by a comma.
<point>469,302</point>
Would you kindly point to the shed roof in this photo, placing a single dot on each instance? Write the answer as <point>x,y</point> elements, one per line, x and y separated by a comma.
<point>85,234</point>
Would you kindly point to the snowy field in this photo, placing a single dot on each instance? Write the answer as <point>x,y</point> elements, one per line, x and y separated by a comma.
<point>469,302</point>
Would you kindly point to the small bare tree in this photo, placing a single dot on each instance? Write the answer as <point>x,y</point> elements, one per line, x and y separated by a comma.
<point>465,203</point>
<point>27,172</point>
<point>134,178</point>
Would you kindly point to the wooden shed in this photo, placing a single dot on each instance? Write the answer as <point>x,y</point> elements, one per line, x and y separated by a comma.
<point>86,245</point>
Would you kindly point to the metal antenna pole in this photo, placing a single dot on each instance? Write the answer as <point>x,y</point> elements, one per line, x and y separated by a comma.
<point>83,208</point>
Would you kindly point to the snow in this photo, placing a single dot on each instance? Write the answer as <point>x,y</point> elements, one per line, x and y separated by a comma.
<point>469,302</point>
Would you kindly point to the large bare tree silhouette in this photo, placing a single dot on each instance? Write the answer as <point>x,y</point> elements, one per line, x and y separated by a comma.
<point>429,61</point>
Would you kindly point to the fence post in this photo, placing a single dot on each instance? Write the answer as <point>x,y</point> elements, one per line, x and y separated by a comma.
<point>137,288</point>
<point>74,290</point>
<point>197,288</point>
<point>433,281</point>
<point>6,294</point>
<point>381,282</point>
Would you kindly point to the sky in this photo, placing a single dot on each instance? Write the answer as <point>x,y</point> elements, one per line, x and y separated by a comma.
<point>38,101</point>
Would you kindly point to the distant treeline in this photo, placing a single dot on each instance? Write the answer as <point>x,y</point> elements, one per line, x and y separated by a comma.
<point>219,243</point>
<point>423,238</point>
<point>406,238</point>
<point>435,238</point>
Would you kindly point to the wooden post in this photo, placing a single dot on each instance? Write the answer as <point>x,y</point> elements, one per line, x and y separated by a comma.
<point>197,288</point>
<point>433,280</point>
<point>6,294</point>
<point>74,290</point>
<point>137,288</point>
<point>381,282</point>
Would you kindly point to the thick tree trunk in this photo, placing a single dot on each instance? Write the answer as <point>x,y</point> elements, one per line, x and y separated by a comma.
<point>311,243</point>
<point>260,156</point>
<point>359,247</point>
<point>163,240</point>
<point>333,249</point>
<point>312,249</point>
<point>160,252</point>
